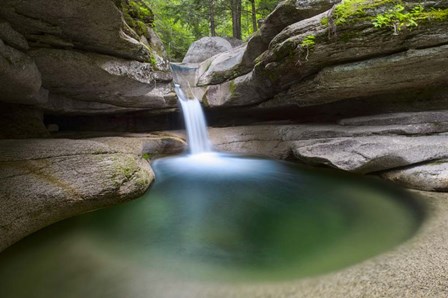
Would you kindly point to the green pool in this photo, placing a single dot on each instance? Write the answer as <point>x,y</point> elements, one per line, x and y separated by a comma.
<point>213,218</point>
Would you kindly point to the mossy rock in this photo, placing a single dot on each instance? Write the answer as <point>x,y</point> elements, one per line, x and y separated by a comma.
<point>137,14</point>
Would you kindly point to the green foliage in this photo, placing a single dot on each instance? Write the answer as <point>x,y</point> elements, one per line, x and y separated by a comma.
<point>180,22</point>
<point>398,18</point>
<point>139,10</point>
<point>309,41</point>
<point>137,15</point>
<point>348,10</point>
<point>394,14</point>
<point>324,21</point>
<point>147,156</point>
<point>351,11</point>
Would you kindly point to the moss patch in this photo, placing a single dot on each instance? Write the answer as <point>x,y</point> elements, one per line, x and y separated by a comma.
<point>147,156</point>
<point>352,11</point>
<point>394,14</point>
<point>137,14</point>
<point>232,87</point>
<point>324,21</point>
<point>438,15</point>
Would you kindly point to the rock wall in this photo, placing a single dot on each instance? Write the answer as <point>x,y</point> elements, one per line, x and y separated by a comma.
<point>99,56</point>
<point>311,53</point>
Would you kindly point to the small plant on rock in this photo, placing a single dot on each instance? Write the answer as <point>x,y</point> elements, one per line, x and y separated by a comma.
<point>308,43</point>
<point>398,18</point>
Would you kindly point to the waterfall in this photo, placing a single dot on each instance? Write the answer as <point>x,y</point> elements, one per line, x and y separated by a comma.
<point>195,123</point>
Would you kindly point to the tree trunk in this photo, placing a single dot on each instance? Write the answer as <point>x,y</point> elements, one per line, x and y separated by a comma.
<point>236,18</point>
<point>254,16</point>
<point>211,12</point>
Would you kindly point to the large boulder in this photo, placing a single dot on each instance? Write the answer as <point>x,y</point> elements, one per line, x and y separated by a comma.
<point>101,78</point>
<point>100,56</point>
<point>286,13</point>
<point>44,181</point>
<point>372,154</point>
<point>97,25</point>
<point>410,71</point>
<point>223,67</point>
<point>333,56</point>
<point>205,48</point>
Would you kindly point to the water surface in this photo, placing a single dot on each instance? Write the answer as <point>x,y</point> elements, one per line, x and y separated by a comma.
<point>213,218</point>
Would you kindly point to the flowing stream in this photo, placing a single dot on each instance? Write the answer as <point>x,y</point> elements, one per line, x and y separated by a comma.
<point>194,118</point>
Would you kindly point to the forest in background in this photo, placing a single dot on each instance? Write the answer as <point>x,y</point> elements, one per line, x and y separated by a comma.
<point>180,22</point>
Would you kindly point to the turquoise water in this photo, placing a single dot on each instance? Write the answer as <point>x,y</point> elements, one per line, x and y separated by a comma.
<point>213,218</point>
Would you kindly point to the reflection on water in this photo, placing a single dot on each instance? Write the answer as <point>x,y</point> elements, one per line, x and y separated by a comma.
<point>209,218</point>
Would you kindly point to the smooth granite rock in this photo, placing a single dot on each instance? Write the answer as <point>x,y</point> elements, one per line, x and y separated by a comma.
<point>205,48</point>
<point>100,78</point>
<point>431,176</point>
<point>93,25</point>
<point>412,70</point>
<point>62,105</point>
<point>349,60</point>
<point>282,141</point>
<point>223,67</point>
<point>44,181</point>
<point>372,154</point>
<point>398,118</point>
<point>286,13</point>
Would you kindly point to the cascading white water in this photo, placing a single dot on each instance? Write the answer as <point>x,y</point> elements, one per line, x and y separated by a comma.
<point>194,121</point>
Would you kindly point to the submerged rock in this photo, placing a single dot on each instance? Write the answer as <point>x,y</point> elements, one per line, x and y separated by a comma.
<point>44,181</point>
